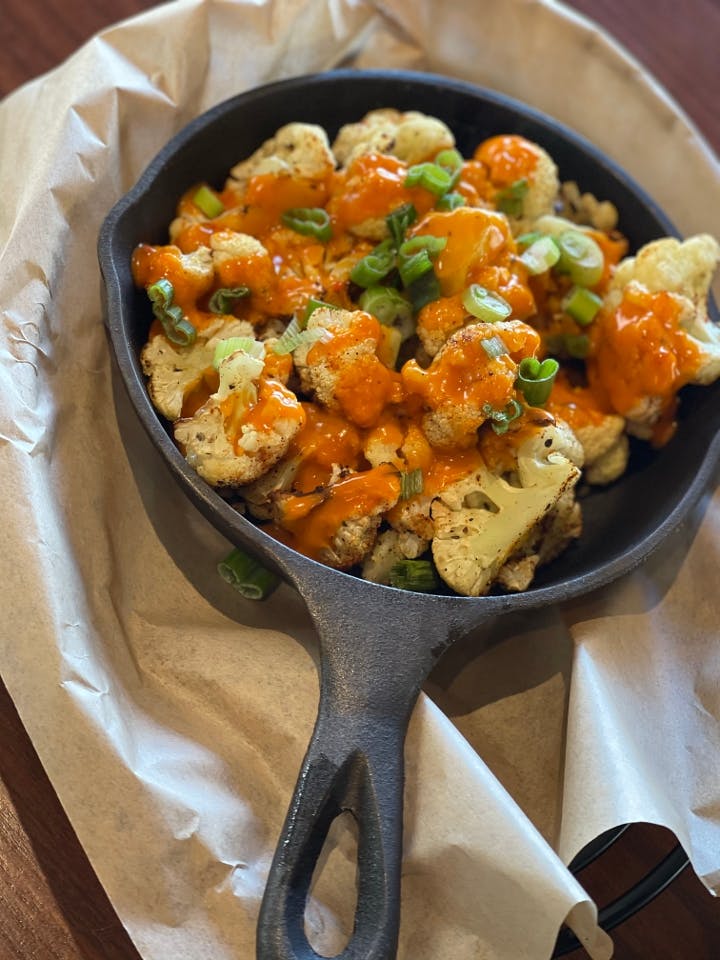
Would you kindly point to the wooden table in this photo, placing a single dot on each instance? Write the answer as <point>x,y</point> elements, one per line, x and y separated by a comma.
<point>51,904</point>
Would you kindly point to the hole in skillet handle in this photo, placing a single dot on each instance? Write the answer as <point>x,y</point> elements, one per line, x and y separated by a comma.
<point>645,505</point>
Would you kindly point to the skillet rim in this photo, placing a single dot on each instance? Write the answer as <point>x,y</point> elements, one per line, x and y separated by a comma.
<point>237,528</point>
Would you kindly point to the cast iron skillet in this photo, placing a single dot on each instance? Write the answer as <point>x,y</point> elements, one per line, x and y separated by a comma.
<point>378,644</point>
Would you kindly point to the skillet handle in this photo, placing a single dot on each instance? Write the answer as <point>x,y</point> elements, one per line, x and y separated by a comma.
<point>353,763</point>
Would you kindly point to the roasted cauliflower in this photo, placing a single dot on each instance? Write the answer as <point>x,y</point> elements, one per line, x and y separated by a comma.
<point>400,360</point>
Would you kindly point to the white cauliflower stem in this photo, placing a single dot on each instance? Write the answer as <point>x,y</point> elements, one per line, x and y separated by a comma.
<point>482,520</point>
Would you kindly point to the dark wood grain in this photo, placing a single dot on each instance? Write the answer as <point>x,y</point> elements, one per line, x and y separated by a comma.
<point>52,906</point>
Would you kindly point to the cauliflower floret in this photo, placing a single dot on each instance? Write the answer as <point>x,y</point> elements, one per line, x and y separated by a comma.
<point>343,515</point>
<point>482,521</point>
<point>602,468</point>
<point>241,260</point>
<point>465,382</point>
<point>191,272</point>
<point>684,268</point>
<point>411,136</point>
<point>174,371</point>
<point>586,209</point>
<point>540,197</point>
<point>655,333</point>
<point>226,445</point>
<point>391,547</point>
<point>299,149</point>
<point>511,159</point>
<point>342,369</point>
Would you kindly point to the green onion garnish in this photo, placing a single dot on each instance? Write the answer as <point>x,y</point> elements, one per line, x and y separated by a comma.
<point>486,306</point>
<point>582,305</point>
<point>541,255</point>
<point>580,258</point>
<point>175,324</point>
<point>535,379</point>
<point>223,300</point>
<point>293,337</point>
<point>494,347</point>
<point>417,575</point>
<point>208,202</point>
<point>247,576</point>
<point>314,304</point>
<point>500,420</point>
<point>390,307</point>
<point>413,267</point>
<point>430,176</point>
<point>411,483</point>
<point>452,162</point>
<point>450,201</point>
<point>223,348</point>
<point>577,345</point>
<point>309,221</point>
<point>424,290</point>
<point>414,256</point>
<point>375,266</point>
<point>399,220</point>
<point>510,199</point>
<point>527,239</point>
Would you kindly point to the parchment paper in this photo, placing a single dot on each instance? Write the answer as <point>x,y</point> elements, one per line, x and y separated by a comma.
<point>171,715</point>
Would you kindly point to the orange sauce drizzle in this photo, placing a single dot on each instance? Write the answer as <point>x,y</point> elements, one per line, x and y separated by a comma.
<point>508,158</point>
<point>641,351</point>
<point>311,521</point>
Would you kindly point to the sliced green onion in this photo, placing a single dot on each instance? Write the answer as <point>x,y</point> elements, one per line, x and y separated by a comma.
<point>399,220</point>
<point>223,300</point>
<point>424,290</point>
<point>430,176</point>
<point>582,305</point>
<point>375,266</point>
<point>309,221</point>
<point>494,347</point>
<point>535,379</point>
<point>450,201</point>
<point>510,199</point>
<point>452,162</point>
<point>580,258</point>
<point>485,305</point>
<point>426,241</point>
<point>411,483</point>
<point>541,255</point>
<point>293,337</point>
<point>223,348</point>
<point>314,304</point>
<point>413,267</point>
<point>417,575</point>
<point>247,576</point>
<point>577,345</point>
<point>500,420</point>
<point>175,324</point>
<point>208,201</point>
<point>527,239</point>
<point>390,307</point>
<point>415,256</point>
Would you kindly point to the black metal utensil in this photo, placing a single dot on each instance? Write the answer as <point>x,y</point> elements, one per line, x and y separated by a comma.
<point>378,644</point>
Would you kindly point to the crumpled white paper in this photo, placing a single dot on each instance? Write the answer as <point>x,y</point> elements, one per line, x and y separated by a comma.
<point>170,714</point>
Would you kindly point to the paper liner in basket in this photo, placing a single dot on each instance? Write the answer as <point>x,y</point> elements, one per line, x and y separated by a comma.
<point>170,714</point>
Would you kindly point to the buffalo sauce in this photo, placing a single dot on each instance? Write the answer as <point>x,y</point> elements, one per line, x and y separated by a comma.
<point>640,350</point>
<point>372,187</point>
<point>310,521</point>
<point>508,158</point>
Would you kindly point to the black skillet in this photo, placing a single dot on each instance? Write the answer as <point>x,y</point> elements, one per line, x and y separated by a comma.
<point>378,644</point>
